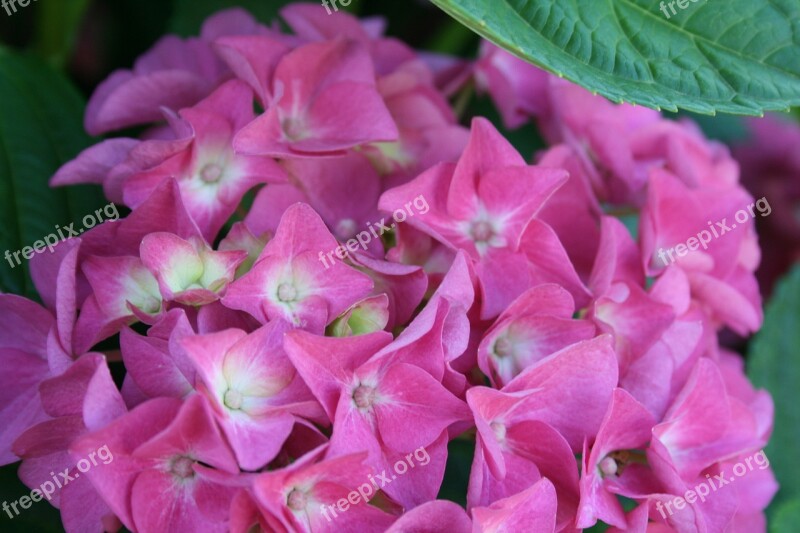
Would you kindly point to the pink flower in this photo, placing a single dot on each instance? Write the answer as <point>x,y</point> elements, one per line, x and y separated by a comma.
<point>533,427</point>
<point>518,88</point>
<point>537,324</point>
<point>282,366</point>
<point>80,400</point>
<point>486,205</point>
<point>701,429</point>
<point>533,508</point>
<point>290,282</point>
<point>612,461</point>
<point>368,390</point>
<point>318,182</point>
<point>154,364</point>
<point>156,481</point>
<point>253,388</point>
<point>719,266</point>
<point>323,100</point>
<point>306,496</point>
<point>24,332</point>
<point>188,272</point>
<point>212,178</point>
<point>438,516</point>
<point>174,73</point>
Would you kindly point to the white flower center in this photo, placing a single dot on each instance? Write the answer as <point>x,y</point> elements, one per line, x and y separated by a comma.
<point>287,292</point>
<point>481,231</point>
<point>233,399</point>
<point>346,228</point>
<point>181,467</point>
<point>297,500</point>
<point>503,347</point>
<point>608,466</point>
<point>363,396</point>
<point>499,430</point>
<point>211,173</point>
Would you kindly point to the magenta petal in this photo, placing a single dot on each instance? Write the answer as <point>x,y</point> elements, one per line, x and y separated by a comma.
<point>135,100</point>
<point>24,331</point>
<point>314,24</point>
<point>25,325</point>
<point>407,393</point>
<point>423,479</point>
<point>543,446</point>
<point>231,21</point>
<point>19,398</point>
<point>588,370</point>
<point>162,211</point>
<point>439,516</point>
<point>158,505</point>
<point>487,150</point>
<point>83,508</point>
<point>87,390</point>
<point>326,375</point>
<point>627,426</point>
<point>252,58</point>
<point>152,367</point>
<point>55,277</point>
<point>504,275</point>
<point>115,479</point>
<point>93,164</point>
<point>550,262</point>
<point>533,509</point>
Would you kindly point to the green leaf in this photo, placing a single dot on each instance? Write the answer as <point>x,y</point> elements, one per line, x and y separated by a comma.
<point>737,56</point>
<point>787,516</point>
<point>41,128</point>
<point>774,365</point>
<point>189,15</point>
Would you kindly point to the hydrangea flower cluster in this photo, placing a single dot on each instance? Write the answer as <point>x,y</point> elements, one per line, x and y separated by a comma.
<point>257,386</point>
